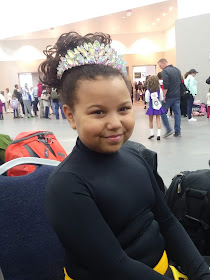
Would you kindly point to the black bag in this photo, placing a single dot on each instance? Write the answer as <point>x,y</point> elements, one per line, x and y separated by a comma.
<point>188,197</point>
<point>183,90</point>
<point>208,81</point>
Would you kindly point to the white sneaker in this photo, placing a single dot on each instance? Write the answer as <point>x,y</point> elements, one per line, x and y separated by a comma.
<point>192,120</point>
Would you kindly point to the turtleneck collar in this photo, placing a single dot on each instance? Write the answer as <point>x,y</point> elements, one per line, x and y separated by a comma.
<point>82,147</point>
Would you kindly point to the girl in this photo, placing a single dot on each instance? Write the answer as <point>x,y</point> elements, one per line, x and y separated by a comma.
<point>153,96</point>
<point>14,105</point>
<point>208,103</point>
<point>103,200</point>
<point>191,85</point>
<point>9,97</point>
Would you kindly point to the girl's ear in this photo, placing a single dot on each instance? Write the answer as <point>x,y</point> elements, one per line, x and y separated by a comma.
<point>69,115</point>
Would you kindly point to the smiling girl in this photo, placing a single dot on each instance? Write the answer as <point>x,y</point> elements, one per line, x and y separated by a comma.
<point>103,200</point>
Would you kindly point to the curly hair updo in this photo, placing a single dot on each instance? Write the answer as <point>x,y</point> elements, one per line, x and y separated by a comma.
<point>68,84</point>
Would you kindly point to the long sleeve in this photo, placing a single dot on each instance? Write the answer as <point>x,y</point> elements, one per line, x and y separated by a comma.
<point>147,96</point>
<point>161,95</point>
<point>83,231</point>
<point>166,81</point>
<point>191,84</point>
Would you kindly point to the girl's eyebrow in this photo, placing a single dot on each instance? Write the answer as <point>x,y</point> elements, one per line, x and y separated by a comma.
<point>102,106</point>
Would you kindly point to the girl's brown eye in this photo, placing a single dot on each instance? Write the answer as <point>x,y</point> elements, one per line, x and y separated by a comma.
<point>98,112</point>
<point>124,109</point>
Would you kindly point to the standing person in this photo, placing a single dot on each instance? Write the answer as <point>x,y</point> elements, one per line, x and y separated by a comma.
<point>2,98</point>
<point>18,94</point>
<point>184,97</point>
<point>1,110</point>
<point>208,103</point>
<point>57,104</point>
<point>191,85</point>
<point>9,97</point>
<point>154,96</point>
<point>36,101</point>
<point>41,106</point>
<point>171,96</point>
<point>45,97</point>
<point>103,200</point>
<point>26,101</point>
<point>14,105</point>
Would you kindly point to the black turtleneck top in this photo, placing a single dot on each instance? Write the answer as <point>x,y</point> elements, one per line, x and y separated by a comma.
<point>112,220</point>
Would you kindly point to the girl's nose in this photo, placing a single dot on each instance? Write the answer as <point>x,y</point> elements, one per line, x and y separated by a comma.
<point>114,122</point>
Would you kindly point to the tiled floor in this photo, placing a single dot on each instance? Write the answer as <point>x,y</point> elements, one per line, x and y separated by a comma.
<point>190,152</point>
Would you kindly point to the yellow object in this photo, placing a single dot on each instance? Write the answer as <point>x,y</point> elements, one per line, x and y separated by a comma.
<point>162,265</point>
<point>161,268</point>
<point>66,275</point>
<point>177,275</point>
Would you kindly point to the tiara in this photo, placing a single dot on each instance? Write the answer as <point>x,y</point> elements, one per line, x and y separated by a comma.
<point>88,53</point>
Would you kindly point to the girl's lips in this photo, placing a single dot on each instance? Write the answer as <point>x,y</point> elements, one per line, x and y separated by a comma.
<point>114,138</point>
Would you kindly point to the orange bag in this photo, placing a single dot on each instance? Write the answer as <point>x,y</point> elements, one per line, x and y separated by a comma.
<point>42,144</point>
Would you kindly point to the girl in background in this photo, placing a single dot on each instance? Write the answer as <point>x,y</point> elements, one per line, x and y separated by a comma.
<point>154,96</point>
<point>14,105</point>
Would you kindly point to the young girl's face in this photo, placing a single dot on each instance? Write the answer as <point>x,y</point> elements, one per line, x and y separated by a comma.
<point>103,114</point>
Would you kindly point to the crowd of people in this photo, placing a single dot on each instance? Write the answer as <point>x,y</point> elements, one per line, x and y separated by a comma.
<point>27,102</point>
<point>169,91</point>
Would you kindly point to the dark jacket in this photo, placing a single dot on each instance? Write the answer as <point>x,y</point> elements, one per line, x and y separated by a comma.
<point>171,81</point>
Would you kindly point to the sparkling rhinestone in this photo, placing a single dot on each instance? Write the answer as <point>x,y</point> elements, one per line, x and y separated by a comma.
<point>70,53</point>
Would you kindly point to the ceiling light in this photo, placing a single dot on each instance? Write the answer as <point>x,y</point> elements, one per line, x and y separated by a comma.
<point>171,8</point>
<point>128,13</point>
<point>123,17</point>
<point>158,19</point>
<point>154,23</point>
<point>164,14</point>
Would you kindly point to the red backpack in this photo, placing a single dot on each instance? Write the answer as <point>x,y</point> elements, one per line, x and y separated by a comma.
<point>42,144</point>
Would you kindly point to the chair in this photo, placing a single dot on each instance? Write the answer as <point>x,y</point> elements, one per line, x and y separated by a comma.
<point>29,248</point>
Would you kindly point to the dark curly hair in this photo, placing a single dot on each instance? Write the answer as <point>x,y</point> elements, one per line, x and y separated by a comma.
<point>69,82</point>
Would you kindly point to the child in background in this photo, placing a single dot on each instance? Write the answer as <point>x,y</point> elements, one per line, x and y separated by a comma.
<point>14,103</point>
<point>1,110</point>
<point>208,103</point>
<point>154,95</point>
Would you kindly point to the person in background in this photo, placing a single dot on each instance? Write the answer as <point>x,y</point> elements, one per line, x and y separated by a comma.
<point>191,85</point>
<point>9,97</point>
<point>36,101</point>
<point>208,103</point>
<point>171,96</point>
<point>2,98</point>
<point>154,96</point>
<point>26,101</point>
<point>1,110</point>
<point>18,94</point>
<point>41,106</point>
<point>46,98</point>
<point>57,104</point>
<point>184,97</point>
<point>14,105</point>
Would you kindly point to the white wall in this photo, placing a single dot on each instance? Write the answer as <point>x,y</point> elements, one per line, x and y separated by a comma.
<point>193,48</point>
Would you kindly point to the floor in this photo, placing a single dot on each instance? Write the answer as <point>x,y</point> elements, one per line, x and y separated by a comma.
<point>190,152</point>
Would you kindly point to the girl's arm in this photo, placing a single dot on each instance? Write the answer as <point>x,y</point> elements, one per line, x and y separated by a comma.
<point>147,96</point>
<point>161,95</point>
<point>84,232</point>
